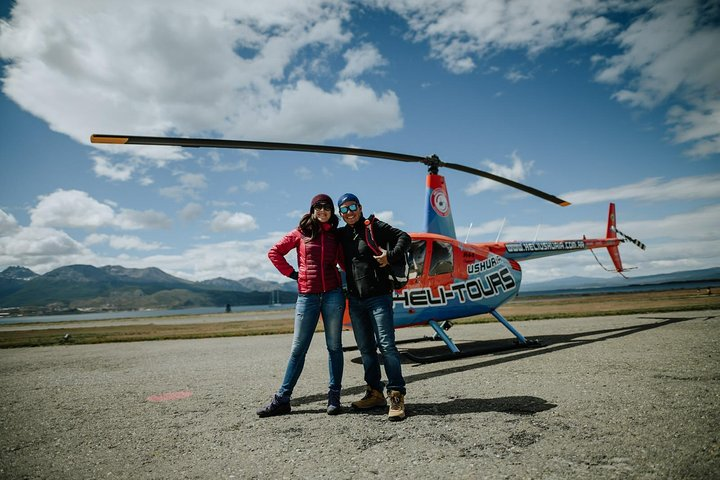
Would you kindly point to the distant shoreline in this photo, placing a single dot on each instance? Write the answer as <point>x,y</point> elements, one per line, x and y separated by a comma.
<point>642,287</point>
<point>80,316</point>
<point>270,321</point>
<point>136,314</point>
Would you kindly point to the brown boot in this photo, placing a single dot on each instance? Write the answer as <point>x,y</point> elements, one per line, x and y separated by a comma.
<point>397,406</point>
<point>373,398</point>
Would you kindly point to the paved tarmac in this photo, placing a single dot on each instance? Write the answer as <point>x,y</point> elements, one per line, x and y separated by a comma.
<point>621,397</point>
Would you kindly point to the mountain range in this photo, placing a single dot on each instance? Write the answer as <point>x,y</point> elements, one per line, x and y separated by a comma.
<point>113,287</point>
<point>570,284</point>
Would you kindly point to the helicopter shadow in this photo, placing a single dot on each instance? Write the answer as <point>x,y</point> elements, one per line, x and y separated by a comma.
<point>501,353</point>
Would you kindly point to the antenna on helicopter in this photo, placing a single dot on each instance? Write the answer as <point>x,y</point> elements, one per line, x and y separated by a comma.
<point>537,231</point>
<point>502,225</point>
<point>467,235</point>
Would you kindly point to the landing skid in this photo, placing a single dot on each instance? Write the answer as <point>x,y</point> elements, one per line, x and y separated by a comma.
<point>455,353</point>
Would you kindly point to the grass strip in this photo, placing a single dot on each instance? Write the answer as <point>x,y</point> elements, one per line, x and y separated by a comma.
<point>519,309</point>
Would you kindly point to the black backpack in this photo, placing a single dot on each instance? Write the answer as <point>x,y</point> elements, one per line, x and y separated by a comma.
<point>398,269</point>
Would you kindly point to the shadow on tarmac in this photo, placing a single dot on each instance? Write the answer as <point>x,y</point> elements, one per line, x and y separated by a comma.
<point>518,405</point>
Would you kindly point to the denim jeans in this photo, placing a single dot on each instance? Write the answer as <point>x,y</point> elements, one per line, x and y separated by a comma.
<point>308,308</point>
<point>372,322</point>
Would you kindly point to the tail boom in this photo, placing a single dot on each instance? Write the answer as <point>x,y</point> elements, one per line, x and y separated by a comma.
<point>521,251</point>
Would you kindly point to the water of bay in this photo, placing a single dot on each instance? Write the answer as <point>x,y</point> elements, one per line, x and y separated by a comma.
<point>141,314</point>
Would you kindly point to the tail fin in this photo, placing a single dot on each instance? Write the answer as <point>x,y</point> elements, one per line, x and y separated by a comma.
<point>438,216</point>
<point>612,233</point>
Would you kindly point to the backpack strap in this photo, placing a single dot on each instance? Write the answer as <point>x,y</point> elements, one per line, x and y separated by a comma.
<point>370,235</point>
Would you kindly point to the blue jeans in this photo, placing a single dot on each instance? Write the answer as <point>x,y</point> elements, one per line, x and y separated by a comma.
<point>308,308</point>
<point>372,323</point>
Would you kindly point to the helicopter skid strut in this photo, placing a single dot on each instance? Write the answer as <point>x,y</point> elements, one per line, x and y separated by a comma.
<point>455,353</point>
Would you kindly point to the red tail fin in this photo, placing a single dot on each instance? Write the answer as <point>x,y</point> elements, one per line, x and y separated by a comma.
<point>612,233</point>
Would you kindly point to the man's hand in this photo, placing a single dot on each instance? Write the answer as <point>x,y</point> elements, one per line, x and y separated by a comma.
<point>382,258</point>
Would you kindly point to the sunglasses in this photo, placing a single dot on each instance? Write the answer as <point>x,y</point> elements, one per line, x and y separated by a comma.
<point>349,208</point>
<point>323,206</point>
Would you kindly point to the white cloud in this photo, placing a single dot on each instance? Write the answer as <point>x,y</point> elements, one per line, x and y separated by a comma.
<point>515,76</point>
<point>254,186</point>
<point>71,208</point>
<point>668,51</point>
<point>670,54</point>
<point>128,219</point>
<point>8,224</point>
<point>76,209</point>
<point>307,113</point>
<point>233,259</point>
<point>41,249</point>
<point>105,168</point>
<point>352,161</point>
<point>388,216</point>
<point>699,125</point>
<point>122,242</point>
<point>518,171</point>
<point>121,66</point>
<point>362,59</point>
<point>193,180</point>
<point>652,189</point>
<point>303,173</point>
<point>188,186</point>
<point>191,211</point>
<point>460,31</point>
<point>225,221</point>
<point>296,214</point>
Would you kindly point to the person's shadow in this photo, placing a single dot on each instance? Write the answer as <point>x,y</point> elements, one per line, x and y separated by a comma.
<point>518,405</point>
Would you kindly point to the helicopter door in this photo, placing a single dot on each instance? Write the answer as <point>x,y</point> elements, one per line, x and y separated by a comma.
<point>417,258</point>
<point>442,258</point>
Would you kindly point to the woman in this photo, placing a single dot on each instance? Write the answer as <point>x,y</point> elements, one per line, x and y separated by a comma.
<point>319,291</point>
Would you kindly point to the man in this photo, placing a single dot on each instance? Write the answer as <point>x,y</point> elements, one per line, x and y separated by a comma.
<point>371,304</point>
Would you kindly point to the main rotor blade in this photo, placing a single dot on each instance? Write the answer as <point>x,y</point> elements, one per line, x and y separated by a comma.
<point>432,161</point>
<point>507,181</point>
<point>249,145</point>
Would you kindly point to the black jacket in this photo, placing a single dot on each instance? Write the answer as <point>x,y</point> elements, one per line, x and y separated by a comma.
<point>365,278</point>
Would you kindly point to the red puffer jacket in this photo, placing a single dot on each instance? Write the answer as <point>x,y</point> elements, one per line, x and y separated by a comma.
<point>317,260</point>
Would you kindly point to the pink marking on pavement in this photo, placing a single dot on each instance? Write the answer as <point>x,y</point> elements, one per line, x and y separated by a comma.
<point>166,397</point>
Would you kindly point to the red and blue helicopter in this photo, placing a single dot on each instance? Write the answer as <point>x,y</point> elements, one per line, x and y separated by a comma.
<point>448,279</point>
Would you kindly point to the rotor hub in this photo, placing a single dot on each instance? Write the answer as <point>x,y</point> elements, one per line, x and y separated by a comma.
<point>433,163</point>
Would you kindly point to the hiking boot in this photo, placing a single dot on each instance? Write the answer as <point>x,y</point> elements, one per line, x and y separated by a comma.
<point>277,406</point>
<point>397,406</point>
<point>373,398</point>
<point>333,406</point>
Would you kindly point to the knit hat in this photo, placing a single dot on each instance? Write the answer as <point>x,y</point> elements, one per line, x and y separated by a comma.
<point>348,197</point>
<point>321,198</point>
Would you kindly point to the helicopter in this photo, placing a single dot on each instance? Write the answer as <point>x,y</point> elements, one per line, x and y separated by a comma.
<point>448,279</point>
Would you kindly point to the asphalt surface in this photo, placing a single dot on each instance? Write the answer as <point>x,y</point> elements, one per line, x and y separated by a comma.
<point>631,396</point>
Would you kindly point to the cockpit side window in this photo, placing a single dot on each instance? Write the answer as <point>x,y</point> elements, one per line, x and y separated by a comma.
<point>417,258</point>
<point>442,258</point>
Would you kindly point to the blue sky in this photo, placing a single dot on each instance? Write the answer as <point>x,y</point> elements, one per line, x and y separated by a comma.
<point>593,101</point>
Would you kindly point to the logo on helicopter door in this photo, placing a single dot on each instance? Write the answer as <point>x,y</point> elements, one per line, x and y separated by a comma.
<point>439,202</point>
